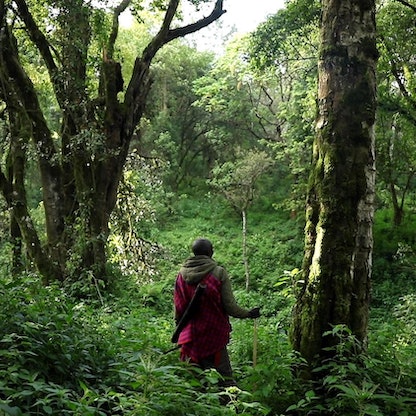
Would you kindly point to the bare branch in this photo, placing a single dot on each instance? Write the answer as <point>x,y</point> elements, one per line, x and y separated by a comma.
<point>170,14</point>
<point>114,30</point>
<point>166,34</point>
<point>216,13</point>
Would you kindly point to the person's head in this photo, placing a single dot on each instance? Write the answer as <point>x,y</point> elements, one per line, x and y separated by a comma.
<point>202,247</point>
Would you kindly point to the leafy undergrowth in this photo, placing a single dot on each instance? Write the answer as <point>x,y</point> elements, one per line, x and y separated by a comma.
<point>63,356</point>
<point>60,357</point>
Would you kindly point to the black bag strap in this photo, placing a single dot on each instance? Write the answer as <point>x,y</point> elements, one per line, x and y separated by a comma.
<point>189,311</point>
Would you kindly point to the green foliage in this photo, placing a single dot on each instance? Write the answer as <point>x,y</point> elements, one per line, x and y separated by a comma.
<point>272,376</point>
<point>140,195</point>
<point>394,256</point>
<point>388,238</point>
<point>237,180</point>
<point>174,132</point>
<point>60,356</point>
<point>286,34</point>
<point>355,383</point>
<point>380,379</point>
<point>284,50</point>
<point>48,345</point>
<point>274,241</point>
<point>241,105</point>
<point>396,106</point>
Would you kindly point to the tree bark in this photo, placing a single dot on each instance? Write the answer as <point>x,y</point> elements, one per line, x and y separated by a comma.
<point>339,212</point>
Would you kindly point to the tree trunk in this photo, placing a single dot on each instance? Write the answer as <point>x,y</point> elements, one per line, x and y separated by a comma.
<point>81,173</point>
<point>16,241</point>
<point>339,212</point>
<point>398,211</point>
<point>245,256</point>
<point>397,208</point>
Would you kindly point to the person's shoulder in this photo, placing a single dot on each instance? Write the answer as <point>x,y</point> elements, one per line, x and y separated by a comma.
<point>220,273</point>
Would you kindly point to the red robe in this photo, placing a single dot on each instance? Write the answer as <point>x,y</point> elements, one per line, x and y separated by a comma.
<point>209,329</point>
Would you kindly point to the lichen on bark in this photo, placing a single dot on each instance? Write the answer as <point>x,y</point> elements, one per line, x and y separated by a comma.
<point>338,239</point>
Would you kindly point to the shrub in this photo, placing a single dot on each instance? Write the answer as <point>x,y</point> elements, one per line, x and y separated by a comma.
<point>355,383</point>
<point>58,357</point>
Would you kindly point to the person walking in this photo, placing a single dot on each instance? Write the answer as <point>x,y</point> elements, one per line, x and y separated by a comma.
<point>206,333</point>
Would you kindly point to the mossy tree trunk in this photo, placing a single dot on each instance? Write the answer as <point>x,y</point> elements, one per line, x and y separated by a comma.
<point>339,213</point>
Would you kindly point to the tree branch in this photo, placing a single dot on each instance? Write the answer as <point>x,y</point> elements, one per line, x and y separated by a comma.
<point>139,83</point>
<point>162,37</point>
<point>22,96</point>
<point>39,39</point>
<point>166,34</point>
<point>216,13</point>
<point>27,95</point>
<point>407,4</point>
<point>395,71</point>
<point>114,30</point>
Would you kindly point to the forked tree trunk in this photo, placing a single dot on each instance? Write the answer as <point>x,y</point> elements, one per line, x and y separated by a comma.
<point>81,174</point>
<point>339,213</point>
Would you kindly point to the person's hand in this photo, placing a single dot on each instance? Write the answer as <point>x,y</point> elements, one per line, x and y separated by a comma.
<point>254,313</point>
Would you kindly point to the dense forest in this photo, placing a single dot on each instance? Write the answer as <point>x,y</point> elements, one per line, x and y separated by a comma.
<point>293,150</point>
